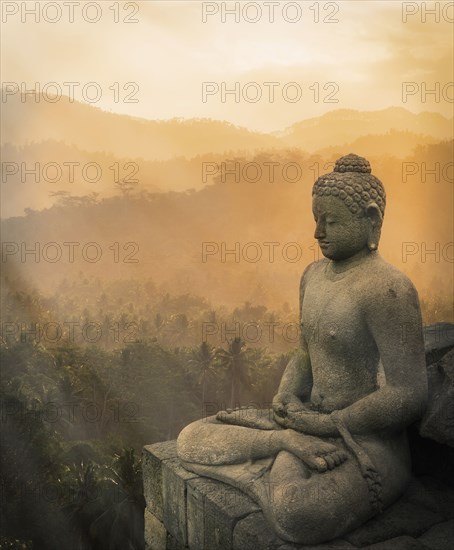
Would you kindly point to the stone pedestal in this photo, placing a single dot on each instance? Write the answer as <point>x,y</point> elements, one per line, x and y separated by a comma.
<point>186,511</point>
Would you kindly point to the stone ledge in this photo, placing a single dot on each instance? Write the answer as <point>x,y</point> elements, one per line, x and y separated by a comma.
<point>153,457</point>
<point>214,508</point>
<point>185,510</point>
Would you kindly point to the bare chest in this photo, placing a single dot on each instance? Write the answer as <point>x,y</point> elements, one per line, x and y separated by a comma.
<point>331,314</point>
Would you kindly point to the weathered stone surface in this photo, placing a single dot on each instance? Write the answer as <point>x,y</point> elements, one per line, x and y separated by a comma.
<point>438,421</point>
<point>433,495</point>
<point>438,340</point>
<point>400,519</point>
<point>174,490</point>
<point>439,537</point>
<point>155,533</point>
<point>195,515</point>
<point>173,543</point>
<point>213,510</point>
<point>332,545</point>
<point>253,532</point>
<point>220,517</point>
<point>399,543</point>
<point>432,459</point>
<point>153,457</point>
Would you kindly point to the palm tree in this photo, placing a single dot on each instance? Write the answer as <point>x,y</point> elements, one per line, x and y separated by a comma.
<point>235,359</point>
<point>159,323</point>
<point>85,486</point>
<point>121,526</point>
<point>202,362</point>
<point>127,473</point>
<point>178,327</point>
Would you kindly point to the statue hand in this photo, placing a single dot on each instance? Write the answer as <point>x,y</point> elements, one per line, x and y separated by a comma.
<point>309,422</point>
<point>285,402</point>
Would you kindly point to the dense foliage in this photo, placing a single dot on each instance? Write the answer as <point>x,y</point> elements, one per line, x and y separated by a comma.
<point>74,420</point>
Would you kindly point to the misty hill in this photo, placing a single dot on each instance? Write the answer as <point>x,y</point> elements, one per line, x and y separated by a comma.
<point>346,125</point>
<point>64,170</point>
<point>396,143</point>
<point>170,229</point>
<point>114,176</point>
<point>93,129</point>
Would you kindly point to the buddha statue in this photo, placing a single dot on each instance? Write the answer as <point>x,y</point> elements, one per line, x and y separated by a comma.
<point>332,452</point>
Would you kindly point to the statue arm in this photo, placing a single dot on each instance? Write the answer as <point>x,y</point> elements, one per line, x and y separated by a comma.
<point>296,382</point>
<point>394,319</point>
<point>297,377</point>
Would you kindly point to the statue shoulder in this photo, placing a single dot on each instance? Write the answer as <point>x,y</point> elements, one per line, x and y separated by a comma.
<point>385,281</point>
<point>312,270</point>
<point>392,312</point>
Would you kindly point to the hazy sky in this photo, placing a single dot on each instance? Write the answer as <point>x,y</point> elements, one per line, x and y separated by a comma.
<point>362,60</point>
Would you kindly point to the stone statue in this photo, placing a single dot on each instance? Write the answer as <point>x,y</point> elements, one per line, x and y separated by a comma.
<point>332,452</point>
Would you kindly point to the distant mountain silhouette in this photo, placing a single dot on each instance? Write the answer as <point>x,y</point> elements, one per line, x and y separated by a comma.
<point>171,227</point>
<point>398,143</point>
<point>92,129</point>
<point>345,126</point>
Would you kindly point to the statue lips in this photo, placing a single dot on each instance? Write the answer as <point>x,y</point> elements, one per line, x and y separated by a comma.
<point>323,244</point>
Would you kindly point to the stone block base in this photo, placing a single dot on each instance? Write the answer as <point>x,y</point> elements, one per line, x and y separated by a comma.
<point>186,511</point>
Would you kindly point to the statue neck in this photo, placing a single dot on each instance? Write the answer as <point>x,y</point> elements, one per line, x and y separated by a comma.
<point>340,266</point>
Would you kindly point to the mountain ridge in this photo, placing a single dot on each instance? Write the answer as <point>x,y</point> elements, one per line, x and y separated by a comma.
<point>159,140</point>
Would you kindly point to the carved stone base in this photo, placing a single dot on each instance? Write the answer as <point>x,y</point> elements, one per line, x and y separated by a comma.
<point>188,511</point>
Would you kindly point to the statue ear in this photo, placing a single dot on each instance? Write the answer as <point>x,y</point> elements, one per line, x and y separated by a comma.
<point>374,215</point>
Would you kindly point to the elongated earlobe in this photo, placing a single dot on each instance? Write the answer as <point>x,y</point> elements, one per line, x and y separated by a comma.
<point>375,218</point>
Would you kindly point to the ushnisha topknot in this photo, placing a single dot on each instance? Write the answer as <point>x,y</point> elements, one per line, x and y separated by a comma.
<point>352,181</point>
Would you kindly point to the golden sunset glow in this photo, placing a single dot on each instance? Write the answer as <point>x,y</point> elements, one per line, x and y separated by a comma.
<point>369,53</point>
<point>163,97</point>
<point>157,165</point>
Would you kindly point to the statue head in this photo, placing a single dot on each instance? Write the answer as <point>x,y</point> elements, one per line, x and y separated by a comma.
<point>348,205</point>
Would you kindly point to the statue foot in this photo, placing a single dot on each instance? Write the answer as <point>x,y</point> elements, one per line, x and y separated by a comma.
<point>317,454</point>
<point>259,419</point>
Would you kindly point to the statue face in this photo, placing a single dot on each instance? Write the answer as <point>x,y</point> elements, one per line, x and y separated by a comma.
<point>340,233</point>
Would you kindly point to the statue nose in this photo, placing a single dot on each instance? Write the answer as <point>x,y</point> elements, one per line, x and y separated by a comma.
<point>319,231</point>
